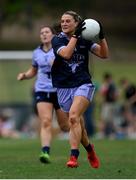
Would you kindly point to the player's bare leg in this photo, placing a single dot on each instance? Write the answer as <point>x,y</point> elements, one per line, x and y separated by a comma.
<point>62,118</point>
<point>78,133</point>
<point>77,109</point>
<point>45,115</point>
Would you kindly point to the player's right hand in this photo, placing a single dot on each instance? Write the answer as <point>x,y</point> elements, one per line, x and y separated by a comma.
<point>21,76</point>
<point>79,29</point>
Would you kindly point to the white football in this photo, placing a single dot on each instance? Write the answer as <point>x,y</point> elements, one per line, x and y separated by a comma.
<point>92,29</point>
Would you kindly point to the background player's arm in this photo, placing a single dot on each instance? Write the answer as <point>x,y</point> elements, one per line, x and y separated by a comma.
<point>30,73</point>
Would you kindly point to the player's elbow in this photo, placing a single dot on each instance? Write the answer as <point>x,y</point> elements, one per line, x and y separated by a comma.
<point>104,56</point>
<point>66,55</point>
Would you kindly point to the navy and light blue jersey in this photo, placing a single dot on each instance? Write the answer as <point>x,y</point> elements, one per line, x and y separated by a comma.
<point>43,61</point>
<point>73,72</point>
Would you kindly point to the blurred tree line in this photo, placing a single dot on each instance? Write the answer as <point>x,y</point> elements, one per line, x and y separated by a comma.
<point>118,16</point>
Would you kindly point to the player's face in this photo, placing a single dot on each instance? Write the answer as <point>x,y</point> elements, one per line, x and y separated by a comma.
<point>68,24</point>
<point>46,35</point>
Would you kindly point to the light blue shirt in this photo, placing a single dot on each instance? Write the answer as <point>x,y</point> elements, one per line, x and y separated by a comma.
<point>43,62</point>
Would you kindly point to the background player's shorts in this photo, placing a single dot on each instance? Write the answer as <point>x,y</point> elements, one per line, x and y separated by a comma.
<point>66,95</point>
<point>50,97</point>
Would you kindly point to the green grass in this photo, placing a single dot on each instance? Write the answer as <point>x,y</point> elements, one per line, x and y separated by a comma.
<point>19,160</point>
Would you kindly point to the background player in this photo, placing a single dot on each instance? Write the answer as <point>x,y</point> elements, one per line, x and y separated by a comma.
<point>45,94</point>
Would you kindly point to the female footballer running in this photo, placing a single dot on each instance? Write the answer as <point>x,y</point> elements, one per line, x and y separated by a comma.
<point>70,75</point>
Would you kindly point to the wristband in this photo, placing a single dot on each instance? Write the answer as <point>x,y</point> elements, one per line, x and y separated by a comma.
<point>74,36</point>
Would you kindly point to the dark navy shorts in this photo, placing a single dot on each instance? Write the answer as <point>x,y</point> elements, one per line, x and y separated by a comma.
<point>50,97</point>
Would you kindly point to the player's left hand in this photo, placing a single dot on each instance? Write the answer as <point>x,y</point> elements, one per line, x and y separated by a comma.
<point>101,33</point>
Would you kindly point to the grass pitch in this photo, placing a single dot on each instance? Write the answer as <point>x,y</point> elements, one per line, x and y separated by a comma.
<point>19,160</point>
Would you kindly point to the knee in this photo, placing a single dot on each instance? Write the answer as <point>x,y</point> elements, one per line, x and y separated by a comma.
<point>73,119</point>
<point>46,122</point>
<point>65,127</point>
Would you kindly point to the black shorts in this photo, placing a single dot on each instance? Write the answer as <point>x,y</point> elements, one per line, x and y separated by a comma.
<point>50,97</point>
